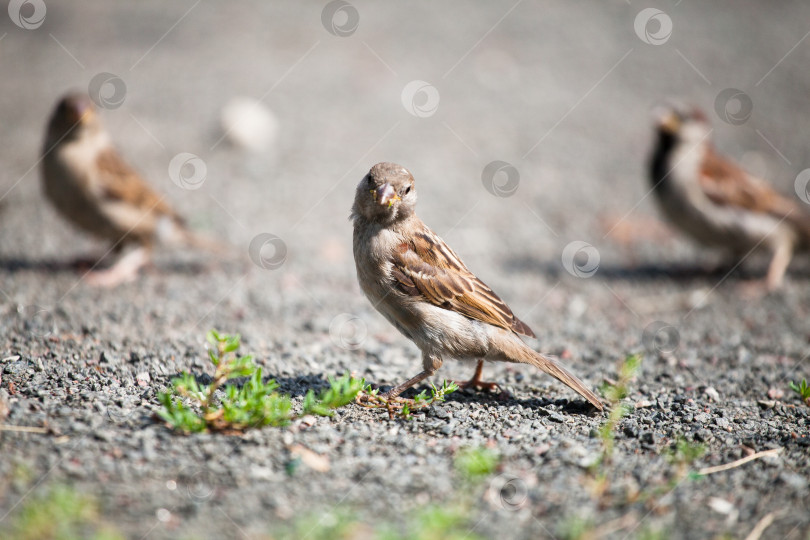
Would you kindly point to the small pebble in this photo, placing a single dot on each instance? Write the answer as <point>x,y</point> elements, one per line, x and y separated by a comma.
<point>712,394</point>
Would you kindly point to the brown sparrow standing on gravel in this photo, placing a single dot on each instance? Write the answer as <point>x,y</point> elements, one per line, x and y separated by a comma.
<point>416,281</point>
<point>91,186</point>
<point>716,202</point>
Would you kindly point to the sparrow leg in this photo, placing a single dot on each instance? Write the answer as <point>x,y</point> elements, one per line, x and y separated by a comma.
<point>779,263</point>
<point>476,381</point>
<point>397,390</point>
<point>123,271</point>
<point>430,364</point>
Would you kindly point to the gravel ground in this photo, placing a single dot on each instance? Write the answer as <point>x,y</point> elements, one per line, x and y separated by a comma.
<point>561,91</point>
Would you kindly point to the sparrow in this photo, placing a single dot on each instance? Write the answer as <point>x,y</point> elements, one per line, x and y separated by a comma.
<point>413,278</point>
<point>716,202</point>
<point>92,187</point>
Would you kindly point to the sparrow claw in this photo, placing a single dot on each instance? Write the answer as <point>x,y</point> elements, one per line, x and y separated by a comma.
<point>753,290</point>
<point>108,279</point>
<point>393,405</point>
<point>477,384</point>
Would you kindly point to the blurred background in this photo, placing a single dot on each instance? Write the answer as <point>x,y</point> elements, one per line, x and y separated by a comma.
<point>562,93</point>
<point>527,125</point>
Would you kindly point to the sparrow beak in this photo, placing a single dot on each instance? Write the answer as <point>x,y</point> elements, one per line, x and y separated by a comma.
<point>669,122</point>
<point>385,195</point>
<point>79,114</point>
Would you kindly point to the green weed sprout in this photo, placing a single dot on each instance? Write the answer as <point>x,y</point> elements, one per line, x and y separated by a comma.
<point>803,390</point>
<point>191,407</point>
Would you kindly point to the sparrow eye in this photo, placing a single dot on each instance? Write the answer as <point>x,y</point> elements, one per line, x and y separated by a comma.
<point>407,190</point>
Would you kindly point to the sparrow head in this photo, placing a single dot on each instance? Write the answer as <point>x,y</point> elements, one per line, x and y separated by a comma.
<point>73,115</point>
<point>386,194</point>
<point>683,124</point>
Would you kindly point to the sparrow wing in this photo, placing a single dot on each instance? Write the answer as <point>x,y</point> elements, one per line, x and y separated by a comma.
<point>425,266</point>
<point>121,183</point>
<point>727,184</point>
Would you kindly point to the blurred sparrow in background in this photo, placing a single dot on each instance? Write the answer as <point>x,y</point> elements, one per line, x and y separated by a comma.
<point>421,286</point>
<point>91,186</point>
<point>716,202</point>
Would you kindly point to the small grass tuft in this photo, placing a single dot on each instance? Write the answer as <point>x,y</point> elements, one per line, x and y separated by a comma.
<point>447,522</point>
<point>685,453</point>
<point>650,533</point>
<point>440,523</point>
<point>61,512</point>
<point>615,393</point>
<point>575,527</point>
<point>341,392</point>
<point>476,463</point>
<point>803,390</point>
<point>218,406</point>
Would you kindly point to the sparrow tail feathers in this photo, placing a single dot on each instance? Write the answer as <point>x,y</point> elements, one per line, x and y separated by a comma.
<point>517,351</point>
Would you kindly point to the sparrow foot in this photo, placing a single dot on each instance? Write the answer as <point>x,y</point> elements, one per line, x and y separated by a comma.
<point>124,271</point>
<point>502,395</point>
<point>477,384</point>
<point>753,290</point>
<point>394,405</point>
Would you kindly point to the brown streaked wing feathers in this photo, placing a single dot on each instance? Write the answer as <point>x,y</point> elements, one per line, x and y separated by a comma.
<point>727,184</point>
<point>425,266</point>
<point>121,182</point>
